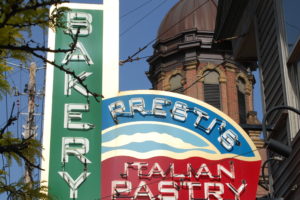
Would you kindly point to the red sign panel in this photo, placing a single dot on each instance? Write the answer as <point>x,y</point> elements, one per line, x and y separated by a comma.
<point>160,145</point>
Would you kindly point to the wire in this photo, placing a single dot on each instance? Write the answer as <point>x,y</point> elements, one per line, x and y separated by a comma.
<point>293,26</point>
<point>210,164</point>
<point>20,110</point>
<point>6,166</point>
<point>140,20</point>
<point>193,83</point>
<point>230,38</point>
<point>43,97</point>
<point>135,9</point>
<point>42,107</point>
<point>167,30</point>
<point>134,59</point>
<point>23,108</point>
<point>16,65</point>
<point>6,99</point>
<point>4,169</point>
<point>11,80</point>
<point>179,21</point>
<point>19,103</point>
<point>14,71</point>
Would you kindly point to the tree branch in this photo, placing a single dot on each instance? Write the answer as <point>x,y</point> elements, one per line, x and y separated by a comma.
<point>16,9</point>
<point>33,50</point>
<point>28,162</point>
<point>17,148</point>
<point>27,24</point>
<point>72,73</point>
<point>62,68</point>
<point>28,48</point>
<point>131,58</point>
<point>13,147</point>
<point>9,121</point>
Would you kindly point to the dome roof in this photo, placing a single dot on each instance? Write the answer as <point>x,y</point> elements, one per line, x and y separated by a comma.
<point>187,15</point>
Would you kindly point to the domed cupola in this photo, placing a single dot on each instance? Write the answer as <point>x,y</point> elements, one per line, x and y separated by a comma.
<point>186,61</point>
<point>185,31</point>
<point>188,16</point>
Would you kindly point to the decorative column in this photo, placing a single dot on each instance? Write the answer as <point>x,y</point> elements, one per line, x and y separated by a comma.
<point>232,102</point>
<point>160,82</point>
<point>224,98</point>
<point>191,77</point>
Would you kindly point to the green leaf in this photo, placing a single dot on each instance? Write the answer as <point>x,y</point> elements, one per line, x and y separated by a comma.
<point>18,21</point>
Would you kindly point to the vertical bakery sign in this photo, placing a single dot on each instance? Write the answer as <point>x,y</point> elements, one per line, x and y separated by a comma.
<point>167,146</point>
<point>72,123</point>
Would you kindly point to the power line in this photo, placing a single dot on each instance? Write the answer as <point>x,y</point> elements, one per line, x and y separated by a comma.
<point>179,21</point>
<point>19,106</point>
<point>9,76</point>
<point>161,34</point>
<point>6,99</point>
<point>135,9</point>
<point>193,83</point>
<point>3,169</point>
<point>14,64</point>
<point>134,59</point>
<point>293,26</point>
<point>137,22</point>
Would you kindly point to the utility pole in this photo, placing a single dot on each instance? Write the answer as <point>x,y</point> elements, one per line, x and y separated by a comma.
<point>30,127</point>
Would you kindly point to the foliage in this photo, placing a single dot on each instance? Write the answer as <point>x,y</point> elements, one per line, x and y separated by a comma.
<point>17,149</point>
<point>21,190</point>
<point>18,21</point>
<point>4,85</point>
<point>20,150</point>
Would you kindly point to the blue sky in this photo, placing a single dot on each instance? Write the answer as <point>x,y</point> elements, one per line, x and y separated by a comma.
<point>140,26</point>
<point>132,75</point>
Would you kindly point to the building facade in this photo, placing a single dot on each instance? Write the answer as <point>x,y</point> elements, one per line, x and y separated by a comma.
<point>185,60</point>
<point>259,30</point>
<point>188,60</point>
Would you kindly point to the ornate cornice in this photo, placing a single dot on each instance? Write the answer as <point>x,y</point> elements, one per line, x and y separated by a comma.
<point>244,76</point>
<point>168,76</point>
<point>210,66</point>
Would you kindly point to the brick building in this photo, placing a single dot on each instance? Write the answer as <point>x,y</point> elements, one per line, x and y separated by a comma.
<point>187,60</point>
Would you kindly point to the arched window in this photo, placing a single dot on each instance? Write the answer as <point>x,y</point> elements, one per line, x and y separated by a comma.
<point>175,83</point>
<point>241,92</point>
<point>212,88</point>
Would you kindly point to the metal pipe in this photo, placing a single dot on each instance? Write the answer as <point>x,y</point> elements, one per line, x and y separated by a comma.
<point>264,166</point>
<point>273,144</point>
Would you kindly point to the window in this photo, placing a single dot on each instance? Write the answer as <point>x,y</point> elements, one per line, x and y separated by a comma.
<point>212,88</point>
<point>175,83</point>
<point>241,92</point>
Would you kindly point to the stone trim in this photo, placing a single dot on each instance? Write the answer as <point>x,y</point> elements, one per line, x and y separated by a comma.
<point>209,66</point>
<point>162,76</point>
<point>244,76</point>
<point>168,76</point>
<point>191,66</point>
<point>230,67</point>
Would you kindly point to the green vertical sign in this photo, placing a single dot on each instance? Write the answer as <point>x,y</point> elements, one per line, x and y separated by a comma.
<point>74,157</point>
